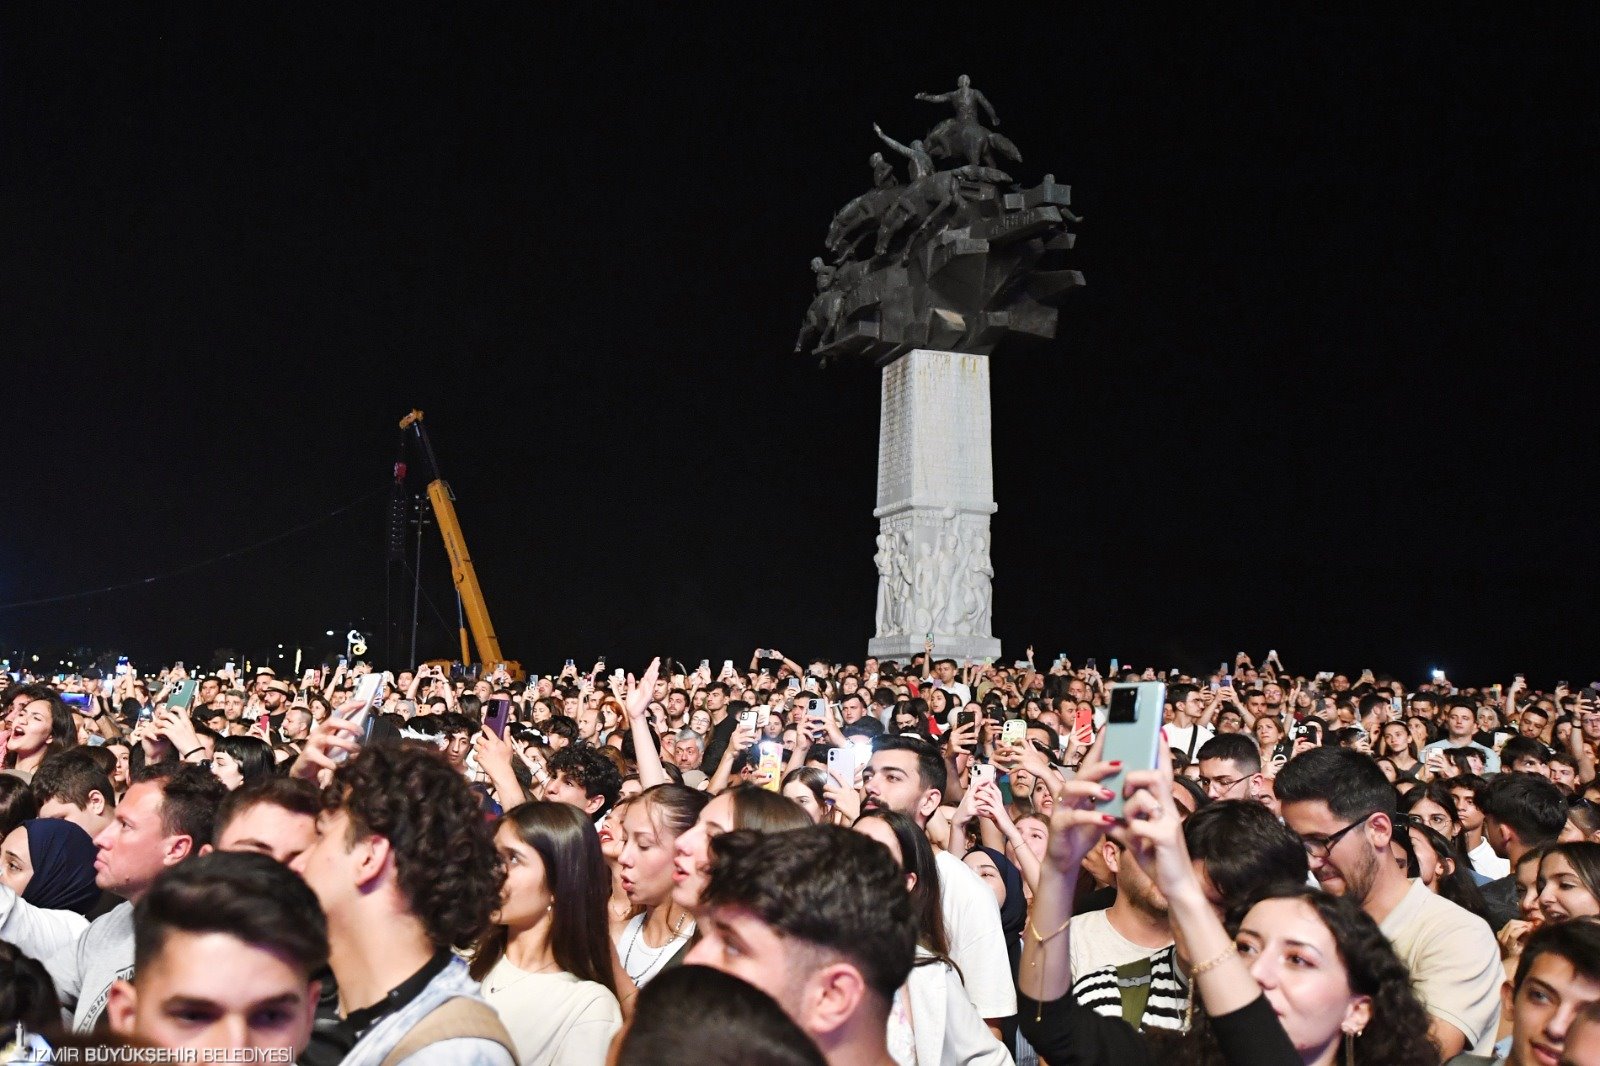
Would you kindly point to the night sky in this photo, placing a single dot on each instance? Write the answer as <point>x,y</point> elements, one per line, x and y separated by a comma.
<point>1330,388</point>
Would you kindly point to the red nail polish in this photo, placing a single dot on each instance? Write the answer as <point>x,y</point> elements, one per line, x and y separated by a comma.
<point>1115,762</point>
<point>1109,819</point>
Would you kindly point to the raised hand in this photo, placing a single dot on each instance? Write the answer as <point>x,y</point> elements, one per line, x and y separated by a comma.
<point>331,742</point>
<point>638,700</point>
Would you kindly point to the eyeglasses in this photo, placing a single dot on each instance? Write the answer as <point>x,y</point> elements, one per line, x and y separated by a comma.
<point>1319,848</point>
<point>1221,784</point>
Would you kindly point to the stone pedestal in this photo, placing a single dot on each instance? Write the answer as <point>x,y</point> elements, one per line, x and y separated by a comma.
<point>935,496</point>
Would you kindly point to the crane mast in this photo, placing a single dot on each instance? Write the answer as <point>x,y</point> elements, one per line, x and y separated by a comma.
<point>462,571</point>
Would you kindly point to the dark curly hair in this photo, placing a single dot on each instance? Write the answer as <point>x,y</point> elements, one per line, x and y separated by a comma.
<point>443,849</point>
<point>591,771</point>
<point>1398,1031</point>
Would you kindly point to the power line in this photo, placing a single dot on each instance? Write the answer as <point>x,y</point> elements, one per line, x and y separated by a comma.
<point>302,527</point>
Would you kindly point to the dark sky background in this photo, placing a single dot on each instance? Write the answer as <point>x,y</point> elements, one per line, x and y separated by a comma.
<point>1330,388</point>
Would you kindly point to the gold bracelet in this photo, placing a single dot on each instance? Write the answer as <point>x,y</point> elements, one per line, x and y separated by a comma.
<point>1037,939</point>
<point>1212,964</point>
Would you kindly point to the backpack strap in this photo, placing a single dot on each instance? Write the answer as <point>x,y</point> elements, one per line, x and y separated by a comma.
<point>456,1018</point>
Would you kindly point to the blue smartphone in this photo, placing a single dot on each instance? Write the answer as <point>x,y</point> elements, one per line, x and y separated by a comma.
<point>1133,733</point>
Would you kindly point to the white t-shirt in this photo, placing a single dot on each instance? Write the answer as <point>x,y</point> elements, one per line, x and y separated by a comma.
<point>1094,943</point>
<point>555,1019</point>
<point>977,944</point>
<point>1454,962</point>
<point>1487,863</point>
<point>1188,739</point>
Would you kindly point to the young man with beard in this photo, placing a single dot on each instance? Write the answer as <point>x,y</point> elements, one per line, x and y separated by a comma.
<point>907,775</point>
<point>1132,929</point>
<point>1343,808</point>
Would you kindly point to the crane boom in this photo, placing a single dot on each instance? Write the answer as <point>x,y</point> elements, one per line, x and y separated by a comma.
<point>461,568</point>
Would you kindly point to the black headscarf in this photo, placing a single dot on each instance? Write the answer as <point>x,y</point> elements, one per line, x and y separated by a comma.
<point>1014,911</point>
<point>62,855</point>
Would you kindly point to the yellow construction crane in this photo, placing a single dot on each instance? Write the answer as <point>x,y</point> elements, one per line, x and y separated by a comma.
<point>461,569</point>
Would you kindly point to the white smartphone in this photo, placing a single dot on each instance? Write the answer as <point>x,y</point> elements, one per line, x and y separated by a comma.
<point>982,771</point>
<point>727,666</point>
<point>1014,732</point>
<point>1132,734</point>
<point>358,709</point>
<point>747,720</point>
<point>842,765</point>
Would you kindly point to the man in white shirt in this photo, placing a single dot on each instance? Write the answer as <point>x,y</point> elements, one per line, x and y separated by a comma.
<point>944,676</point>
<point>1185,733</point>
<point>1134,927</point>
<point>1469,815</point>
<point>907,775</point>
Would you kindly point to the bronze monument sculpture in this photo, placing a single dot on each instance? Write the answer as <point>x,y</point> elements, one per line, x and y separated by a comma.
<point>954,259</point>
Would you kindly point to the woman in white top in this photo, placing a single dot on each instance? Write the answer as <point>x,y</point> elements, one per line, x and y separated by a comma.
<point>654,821</point>
<point>545,963</point>
<point>932,1020</point>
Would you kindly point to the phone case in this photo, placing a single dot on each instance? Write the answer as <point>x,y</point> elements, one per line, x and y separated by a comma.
<point>1133,733</point>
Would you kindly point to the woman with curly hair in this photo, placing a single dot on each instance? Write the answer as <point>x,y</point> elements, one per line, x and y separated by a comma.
<point>1308,979</point>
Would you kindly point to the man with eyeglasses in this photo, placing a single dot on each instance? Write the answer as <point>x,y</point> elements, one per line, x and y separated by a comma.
<point>1344,810</point>
<point>1230,767</point>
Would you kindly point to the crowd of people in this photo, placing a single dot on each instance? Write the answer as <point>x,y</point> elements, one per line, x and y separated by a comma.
<point>798,863</point>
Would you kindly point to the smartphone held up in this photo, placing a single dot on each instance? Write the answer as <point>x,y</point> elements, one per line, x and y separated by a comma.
<point>1132,733</point>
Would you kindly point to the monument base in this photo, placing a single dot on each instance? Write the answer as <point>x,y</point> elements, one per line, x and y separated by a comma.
<point>935,496</point>
<point>961,649</point>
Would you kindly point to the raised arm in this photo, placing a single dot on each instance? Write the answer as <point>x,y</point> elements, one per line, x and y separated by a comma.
<point>645,752</point>
<point>891,142</point>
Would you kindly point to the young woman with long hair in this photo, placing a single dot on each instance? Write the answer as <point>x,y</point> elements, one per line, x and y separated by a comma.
<point>39,726</point>
<point>545,963</point>
<point>660,933</point>
<point>1569,881</point>
<point>745,807</point>
<point>1400,748</point>
<point>932,1019</point>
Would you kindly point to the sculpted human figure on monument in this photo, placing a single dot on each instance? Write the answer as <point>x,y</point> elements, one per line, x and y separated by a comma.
<point>920,163</point>
<point>900,594</point>
<point>964,135</point>
<point>885,563</point>
<point>883,176</point>
<point>947,595</point>
<point>979,592</point>
<point>965,99</point>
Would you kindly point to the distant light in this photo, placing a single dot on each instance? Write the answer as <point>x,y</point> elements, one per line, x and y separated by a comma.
<point>280,647</point>
<point>330,632</point>
<point>35,658</point>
